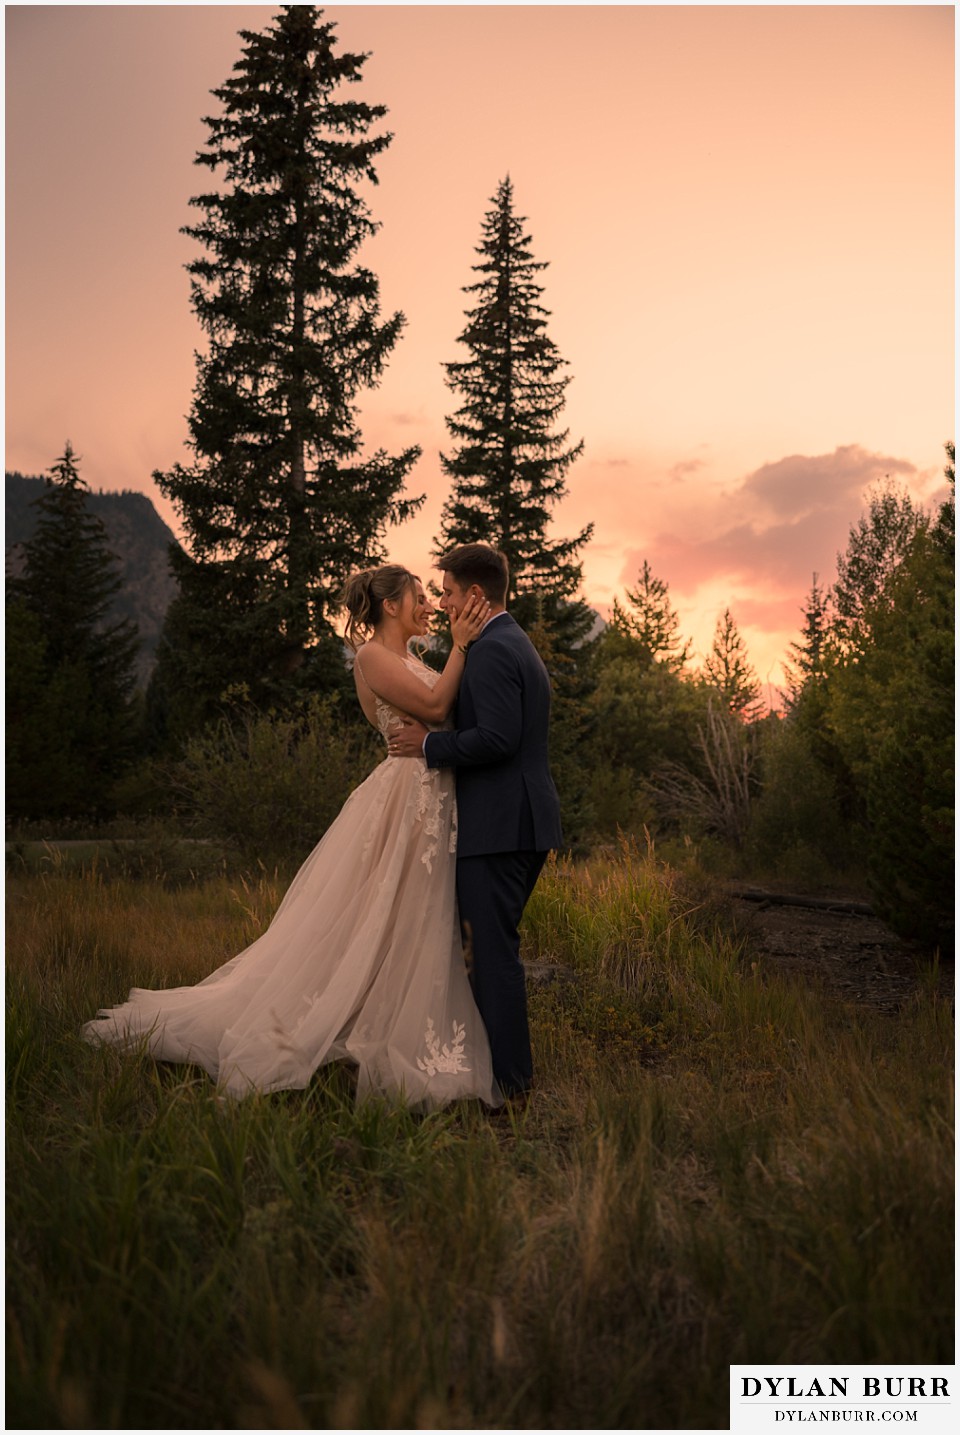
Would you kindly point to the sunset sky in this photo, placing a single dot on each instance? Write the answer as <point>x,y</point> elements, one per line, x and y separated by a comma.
<point>747,212</point>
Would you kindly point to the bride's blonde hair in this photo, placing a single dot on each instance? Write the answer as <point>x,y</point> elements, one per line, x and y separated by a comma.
<point>364,595</point>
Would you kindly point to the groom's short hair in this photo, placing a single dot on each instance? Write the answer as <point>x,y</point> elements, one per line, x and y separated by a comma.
<point>478,563</point>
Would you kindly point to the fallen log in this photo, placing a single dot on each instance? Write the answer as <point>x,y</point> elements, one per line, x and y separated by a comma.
<point>792,899</point>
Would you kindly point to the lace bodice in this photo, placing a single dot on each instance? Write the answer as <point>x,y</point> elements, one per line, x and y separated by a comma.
<point>434,799</point>
<point>390,717</point>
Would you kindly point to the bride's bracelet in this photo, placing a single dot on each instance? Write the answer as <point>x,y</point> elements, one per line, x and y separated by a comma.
<point>462,649</point>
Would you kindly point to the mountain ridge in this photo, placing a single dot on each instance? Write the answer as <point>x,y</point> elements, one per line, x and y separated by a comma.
<point>136,534</point>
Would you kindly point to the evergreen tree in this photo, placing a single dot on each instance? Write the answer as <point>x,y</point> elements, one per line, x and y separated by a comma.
<point>652,622</point>
<point>809,668</point>
<point>509,463</point>
<point>805,664</point>
<point>647,711</point>
<point>645,718</point>
<point>71,669</point>
<point>279,505</point>
<point>37,706</point>
<point>728,669</point>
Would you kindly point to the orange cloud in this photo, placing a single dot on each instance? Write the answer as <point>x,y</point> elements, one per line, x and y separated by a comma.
<point>781,523</point>
<point>802,485</point>
<point>682,470</point>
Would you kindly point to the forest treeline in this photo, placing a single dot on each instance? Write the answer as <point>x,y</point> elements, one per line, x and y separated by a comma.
<point>248,731</point>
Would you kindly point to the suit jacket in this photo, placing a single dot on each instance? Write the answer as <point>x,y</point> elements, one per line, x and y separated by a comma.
<point>506,798</point>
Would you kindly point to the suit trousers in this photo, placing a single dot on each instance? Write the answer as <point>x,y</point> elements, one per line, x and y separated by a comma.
<point>492,892</point>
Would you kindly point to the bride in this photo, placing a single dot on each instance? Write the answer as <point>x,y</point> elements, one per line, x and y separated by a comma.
<point>363,960</point>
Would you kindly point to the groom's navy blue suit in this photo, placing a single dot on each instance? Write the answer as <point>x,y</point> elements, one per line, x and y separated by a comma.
<point>509,818</point>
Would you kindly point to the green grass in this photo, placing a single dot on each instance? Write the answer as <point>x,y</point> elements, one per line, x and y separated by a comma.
<point>718,1167</point>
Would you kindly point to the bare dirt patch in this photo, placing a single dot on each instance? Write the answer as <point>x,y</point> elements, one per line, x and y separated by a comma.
<point>852,955</point>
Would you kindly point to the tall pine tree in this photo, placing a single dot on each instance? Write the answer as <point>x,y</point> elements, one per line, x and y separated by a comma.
<point>509,462</point>
<point>279,504</point>
<point>71,715</point>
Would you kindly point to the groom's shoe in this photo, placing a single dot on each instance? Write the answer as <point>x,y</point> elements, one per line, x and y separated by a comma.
<point>514,1104</point>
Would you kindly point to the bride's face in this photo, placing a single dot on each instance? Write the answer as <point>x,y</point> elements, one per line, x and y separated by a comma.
<point>422,611</point>
<point>413,612</point>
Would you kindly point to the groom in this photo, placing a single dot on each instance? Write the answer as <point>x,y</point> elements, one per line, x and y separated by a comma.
<point>508,808</point>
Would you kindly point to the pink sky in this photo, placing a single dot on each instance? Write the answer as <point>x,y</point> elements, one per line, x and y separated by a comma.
<point>748,214</point>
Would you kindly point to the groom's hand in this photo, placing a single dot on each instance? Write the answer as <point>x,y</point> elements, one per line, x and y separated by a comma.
<point>407,741</point>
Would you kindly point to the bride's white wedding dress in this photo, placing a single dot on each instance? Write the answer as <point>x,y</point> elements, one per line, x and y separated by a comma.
<point>362,962</point>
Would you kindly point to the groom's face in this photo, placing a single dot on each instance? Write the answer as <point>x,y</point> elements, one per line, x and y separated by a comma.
<point>454,597</point>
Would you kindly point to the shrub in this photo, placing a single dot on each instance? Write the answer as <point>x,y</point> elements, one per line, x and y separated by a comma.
<point>270,785</point>
<point>796,824</point>
<point>620,801</point>
<point>718,802</point>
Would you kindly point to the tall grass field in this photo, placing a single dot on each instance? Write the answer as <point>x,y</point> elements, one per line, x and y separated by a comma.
<point>719,1165</point>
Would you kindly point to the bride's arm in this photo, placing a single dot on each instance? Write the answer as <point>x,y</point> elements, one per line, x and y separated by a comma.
<point>389,677</point>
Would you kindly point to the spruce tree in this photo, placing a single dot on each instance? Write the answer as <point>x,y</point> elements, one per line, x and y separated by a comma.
<point>279,504</point>
<point>509,462</point>
<point>728,669</point>
<point>74,677</point>
<point>805,664</point>
<point>651,622</point>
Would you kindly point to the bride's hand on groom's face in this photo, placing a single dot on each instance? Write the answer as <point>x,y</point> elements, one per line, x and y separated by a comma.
<point>466,625</point>
<point>407,741</point>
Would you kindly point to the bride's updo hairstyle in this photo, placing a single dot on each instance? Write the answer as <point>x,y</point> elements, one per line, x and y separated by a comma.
<point>364,595</point>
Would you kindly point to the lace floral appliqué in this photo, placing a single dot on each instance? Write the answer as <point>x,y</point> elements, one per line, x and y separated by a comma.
<point>430,800</point>
<point>444,1058</point>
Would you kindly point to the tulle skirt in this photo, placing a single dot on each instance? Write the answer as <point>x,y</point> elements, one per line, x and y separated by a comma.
<point>362,962</point>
